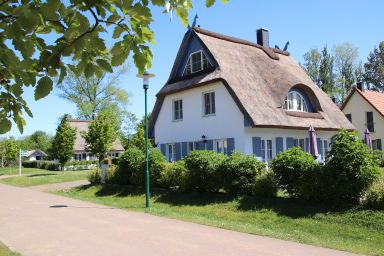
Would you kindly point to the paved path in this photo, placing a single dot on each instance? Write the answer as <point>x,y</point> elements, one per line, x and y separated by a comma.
<point>35,223</point>
<point>60,186</point>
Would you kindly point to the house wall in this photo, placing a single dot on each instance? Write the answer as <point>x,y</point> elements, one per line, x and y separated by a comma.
<point>228,122</point>
<point>358,106</point>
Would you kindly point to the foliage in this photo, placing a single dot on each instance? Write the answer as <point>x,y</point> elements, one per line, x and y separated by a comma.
<point>102,133</point>
<point>293,168</point>
<point>138,138</point>
<point>130,164</point>
<point>29,164</point>
<point>326,74</point>
<point>239,173</point>
<point>374,68</point>
<point>204,168</point>
<point>265,185</point>
<point>94,176</point>
<point>78,30</point>
<point>157,164</point>
<point>350,167</point>
<point>174,176</point>
<point>63,142</point>
<point>37,140</point>
<point>374,196</point>
<point>9,152</point>
<point>311,65</point>
<point>91,95</point>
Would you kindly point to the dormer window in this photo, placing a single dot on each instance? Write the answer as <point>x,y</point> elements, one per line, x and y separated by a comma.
<point>197,61</point>
<point>295,102</point>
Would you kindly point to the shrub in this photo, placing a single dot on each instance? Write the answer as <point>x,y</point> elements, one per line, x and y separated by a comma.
<point>94,176</point>
<point>203,170</point>
<point>350,167</point>
<point>174,175</point>
<point>265,185</point>
<point>239,173</point>
<point>129,170</point>
<point>374,196</point>
<point>293,169</point>
<point>29,164</point>
<point>157,164</point>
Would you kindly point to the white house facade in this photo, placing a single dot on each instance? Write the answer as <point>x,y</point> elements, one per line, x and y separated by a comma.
<point>226,93</point>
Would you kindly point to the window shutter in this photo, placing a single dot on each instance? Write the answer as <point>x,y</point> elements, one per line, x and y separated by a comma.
<point>307,144</point>
<point>370,123</point>
<point>163,148</point>
<point>289,142</point>
<point>256,144</point>
<point>279,145</point>
<point>178,151</point>
<point>200,145</point>
<point>230,145</point>
<point>184,149</point>
<point>209,144</point>
<point>378,144</point>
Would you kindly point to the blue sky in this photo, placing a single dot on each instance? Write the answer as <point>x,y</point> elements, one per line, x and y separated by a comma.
<point>306,24</point>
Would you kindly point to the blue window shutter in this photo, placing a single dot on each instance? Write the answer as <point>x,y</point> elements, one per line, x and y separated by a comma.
<point>256,144</point>
<point>201,145</point>
<point>184,149</point>
<point>230,145</point>
<point>178,151</point>
<point>163,148</point>
<point>209,144</point>
<point>307,144</point>
<point>279,145</point>
<point>289,142</point>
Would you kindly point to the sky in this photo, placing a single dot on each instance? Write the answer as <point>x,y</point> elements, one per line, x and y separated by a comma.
<point>305,24</point>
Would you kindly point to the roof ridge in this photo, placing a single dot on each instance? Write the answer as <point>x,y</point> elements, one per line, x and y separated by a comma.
<point>269,51</point>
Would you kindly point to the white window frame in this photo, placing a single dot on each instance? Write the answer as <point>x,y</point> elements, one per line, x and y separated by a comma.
<point>273,149</point>
<point>214,105</point>
<point>171,156</point>
<point>223,147</point>
<point>306,149</point>
<point>194,146</point>
<point>190,64</point>
<point>292,100</point>
<point>180,117</point>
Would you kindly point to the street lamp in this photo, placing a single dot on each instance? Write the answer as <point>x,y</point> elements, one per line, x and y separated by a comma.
<point>146,77</point>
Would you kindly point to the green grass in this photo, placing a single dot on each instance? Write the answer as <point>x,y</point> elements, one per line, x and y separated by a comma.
<point>350,229</point>
<point>34,177</point>
<point>4,251</point>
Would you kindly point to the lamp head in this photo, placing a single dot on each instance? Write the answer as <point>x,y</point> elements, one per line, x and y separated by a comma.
<point>146,75</point>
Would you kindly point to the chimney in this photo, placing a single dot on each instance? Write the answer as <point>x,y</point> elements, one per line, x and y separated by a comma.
<point>262,36</point>
<point>360,86</point>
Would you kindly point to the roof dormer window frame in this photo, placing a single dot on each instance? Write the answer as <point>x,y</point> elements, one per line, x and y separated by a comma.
<point>204,63</point>
<point>295,102</point>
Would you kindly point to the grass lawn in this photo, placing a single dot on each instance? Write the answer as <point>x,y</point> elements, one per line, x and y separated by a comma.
<point>350,229</point>
<point>4,251</point>
<point>34,177</point>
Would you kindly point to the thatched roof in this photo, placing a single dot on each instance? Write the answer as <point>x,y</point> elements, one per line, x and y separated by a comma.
<point>258,79</point>
<point>82,126</point>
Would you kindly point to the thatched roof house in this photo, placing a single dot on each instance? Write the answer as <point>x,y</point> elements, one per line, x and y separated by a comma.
<point>80,152</point>
<point>268,88</point>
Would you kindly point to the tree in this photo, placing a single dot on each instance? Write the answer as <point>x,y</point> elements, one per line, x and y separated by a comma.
<point>345,61</point>
<point>9,151</point>
<point>326,74</point>
<point>102,133</point>
<point>94,94</point>
<point>78,29</point>
<point>63,143</point>
<point>37,140</point>
<point>137,139</point>
<point>311,66</point>
<point>374,68</point>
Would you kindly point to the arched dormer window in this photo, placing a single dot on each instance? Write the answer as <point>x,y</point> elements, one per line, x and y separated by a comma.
<point>295,101</point>
<point>197,61</point>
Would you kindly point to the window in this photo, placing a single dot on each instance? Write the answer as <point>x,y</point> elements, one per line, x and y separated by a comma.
<point>299,142</point>
<point>295,102</point>
<point>193,145</point>
<point>220,146</point>
<point>370,123</point>
<point>209,103</point>
<point>171,156</point>
<point>197,61</point>
<point>376,144</point>
<point>177,110</point>
<point>266,150</point>
<point>324,149</point>
<point>349,117</point>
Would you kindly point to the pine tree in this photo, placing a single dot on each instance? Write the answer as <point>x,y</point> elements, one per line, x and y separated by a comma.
<point>374,68</point>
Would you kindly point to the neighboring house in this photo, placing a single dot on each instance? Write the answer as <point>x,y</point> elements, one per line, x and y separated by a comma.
<point>80,152</point>
<point>225,93</point>
<point>36,154</point>
<point>365,109</point>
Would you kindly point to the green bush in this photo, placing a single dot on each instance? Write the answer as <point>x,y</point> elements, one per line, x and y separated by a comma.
<point>29,164</point>
<point>94,176</point>
<point>174,176</point>
<point>239,173</point>
<point>293,169</point>
<point>157,164</point>
<point>374,196</point>
<point>265,185</point>
<point>129,170</point>
<point>350,168</point>
<point>204,170</point>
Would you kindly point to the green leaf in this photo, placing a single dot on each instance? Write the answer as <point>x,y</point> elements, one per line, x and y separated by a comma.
<point>113,18</point>
<point>117,32</point>
<point>119,59</point>
<point>183,14</point>
<point>43,88</point>
<point>63,73</point>
<point>104,65</point>
<point>20,122</point>
<point>209,3</point>
<point>89,70</point>
<point>5,125</point>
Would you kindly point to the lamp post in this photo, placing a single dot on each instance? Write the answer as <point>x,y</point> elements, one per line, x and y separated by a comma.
<point>146,77</point>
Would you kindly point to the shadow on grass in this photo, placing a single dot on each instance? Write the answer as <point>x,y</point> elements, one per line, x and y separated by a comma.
<point>43,174</point>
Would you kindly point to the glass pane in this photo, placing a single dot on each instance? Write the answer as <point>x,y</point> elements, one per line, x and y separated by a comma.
<point>263,150</point>
<point>207,104</point>
<point>225,147</point>
<point>302,144</point>
<point>299,102</point>
<point>196,62</point>
<point>181,109</point>
<point>205,62</point>
<point>213,110</point>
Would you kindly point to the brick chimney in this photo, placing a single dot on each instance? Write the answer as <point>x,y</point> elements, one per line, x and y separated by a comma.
<point>262,36</point>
